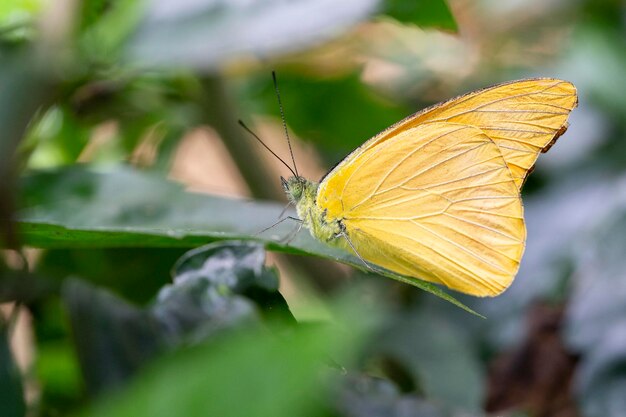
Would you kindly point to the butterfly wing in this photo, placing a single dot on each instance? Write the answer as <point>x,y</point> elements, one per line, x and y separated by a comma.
<point>436,201</point>
<point>523,118</point>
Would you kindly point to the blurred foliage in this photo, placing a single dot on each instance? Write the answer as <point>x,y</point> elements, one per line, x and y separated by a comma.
<point>205,34</point>
<point>11,390</point>
<point>318,109</point>
<point>276,377</point>
<point>422,13</point>
<point>215,288</point>
<point>100,101</point>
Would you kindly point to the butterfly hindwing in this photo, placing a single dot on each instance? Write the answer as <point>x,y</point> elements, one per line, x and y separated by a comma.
<point>435,201</point>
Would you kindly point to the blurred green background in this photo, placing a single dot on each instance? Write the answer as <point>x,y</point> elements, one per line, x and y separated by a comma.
<point>120,152</point>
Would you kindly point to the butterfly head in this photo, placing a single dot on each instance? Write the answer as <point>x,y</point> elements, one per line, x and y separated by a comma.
<point>294,187</point>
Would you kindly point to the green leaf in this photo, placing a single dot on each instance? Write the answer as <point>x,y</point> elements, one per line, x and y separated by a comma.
<point>107,26</point>
<point>252,374</point>
<point>24,91</point>
<point>76,207</point>
<point>58,372</point>
<point>424,13</point>
<point>208,33</point>
<point>11,392</point>
<point>56,138</point>
<point>17,18</point>
<point>9,7</point>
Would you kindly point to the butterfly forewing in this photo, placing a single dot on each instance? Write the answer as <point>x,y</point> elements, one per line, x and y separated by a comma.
<point>436,201</point>
<point>522,117</point>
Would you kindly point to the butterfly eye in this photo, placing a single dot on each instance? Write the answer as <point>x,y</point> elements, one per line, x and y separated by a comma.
<point>296,190</point>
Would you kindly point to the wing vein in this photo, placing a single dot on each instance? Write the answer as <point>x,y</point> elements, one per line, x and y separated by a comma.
<point>506,129</point>
<point>489,213</point>
<point>463,248</point>
<point>516,150</point>
<point>522,122</point>
<point>375,151</point>
<point>487,197</point>
<point>483,226</point>
<point>434,166</point>
<point>459,266</point>
<point>463,178</point>
<point>513,140</point>
<point>487,245</point>
<point>524,111</point>
<point>481,185</point>
<point>395,166</point>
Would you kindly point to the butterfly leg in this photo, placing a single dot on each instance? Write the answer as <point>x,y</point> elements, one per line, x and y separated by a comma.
<point>293,234</point>
<point>345,236</point>
<point>279,222</point>
<point>282,213</point>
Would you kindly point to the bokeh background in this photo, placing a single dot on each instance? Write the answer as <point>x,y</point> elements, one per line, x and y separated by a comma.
<point>120,151</point>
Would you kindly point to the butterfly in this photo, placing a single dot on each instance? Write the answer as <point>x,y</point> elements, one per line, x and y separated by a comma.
<point>436,196</point>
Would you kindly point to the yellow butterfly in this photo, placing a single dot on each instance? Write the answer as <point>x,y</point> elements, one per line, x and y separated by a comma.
<point>437,195</point>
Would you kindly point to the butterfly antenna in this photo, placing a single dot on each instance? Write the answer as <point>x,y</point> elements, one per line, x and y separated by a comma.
<point>267,147</point>
<point>282,116</point>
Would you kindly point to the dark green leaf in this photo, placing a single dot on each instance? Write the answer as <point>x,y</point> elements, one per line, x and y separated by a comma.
<point>76,207</point>
<point>424,13</point>
<point>208,33</point>
<point>134,273</point>
<point>113,338</point>
<point>216,287</point>
<point>234,271</point>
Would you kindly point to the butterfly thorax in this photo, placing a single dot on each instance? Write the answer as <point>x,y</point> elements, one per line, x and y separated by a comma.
<point>303,194</point>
